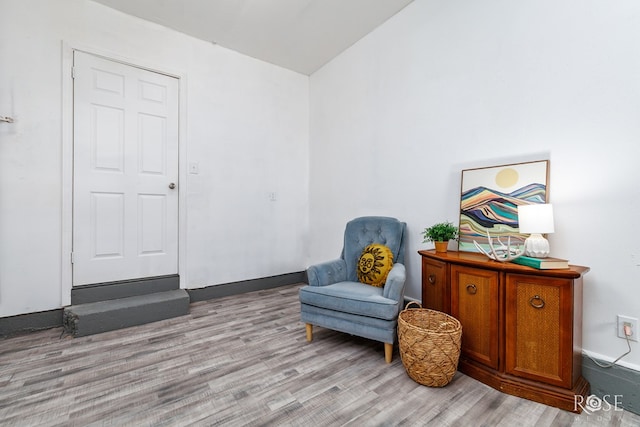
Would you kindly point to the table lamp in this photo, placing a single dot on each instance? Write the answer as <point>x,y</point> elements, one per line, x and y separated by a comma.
<point>536,219</point>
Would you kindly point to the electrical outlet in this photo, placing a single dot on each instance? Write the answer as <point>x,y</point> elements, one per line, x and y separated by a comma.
<point>632,322</point>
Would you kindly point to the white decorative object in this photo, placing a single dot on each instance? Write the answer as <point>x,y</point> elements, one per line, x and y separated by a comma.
<point>536,219</point>
<point>502,253</point>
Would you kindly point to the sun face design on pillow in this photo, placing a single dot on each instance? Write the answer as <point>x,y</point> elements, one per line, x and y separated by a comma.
<point>374,265</point>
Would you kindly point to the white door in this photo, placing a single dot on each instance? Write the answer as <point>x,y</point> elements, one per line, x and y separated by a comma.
<point>125,171</point>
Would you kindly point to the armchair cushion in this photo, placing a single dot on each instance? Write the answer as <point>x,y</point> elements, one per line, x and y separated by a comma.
<point>351,297</point>
<point>374,265</point>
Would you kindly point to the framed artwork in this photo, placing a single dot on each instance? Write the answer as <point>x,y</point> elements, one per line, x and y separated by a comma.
<point>490,198</point>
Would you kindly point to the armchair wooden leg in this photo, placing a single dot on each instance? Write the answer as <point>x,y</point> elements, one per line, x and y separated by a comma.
<point>388,352</point>
<point>309,328</point>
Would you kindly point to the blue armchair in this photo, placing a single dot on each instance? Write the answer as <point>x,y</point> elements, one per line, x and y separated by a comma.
<point>334,298</point>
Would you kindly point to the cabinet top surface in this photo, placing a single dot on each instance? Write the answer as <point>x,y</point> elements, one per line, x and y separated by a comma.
<point>473,259</point>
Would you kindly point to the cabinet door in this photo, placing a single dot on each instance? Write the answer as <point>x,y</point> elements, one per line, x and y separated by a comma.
<point>434,289</point>
<point>474,302</point>
<point>539,328</point>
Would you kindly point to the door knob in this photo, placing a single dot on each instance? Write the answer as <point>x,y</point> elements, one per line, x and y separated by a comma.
<point>172,185</point>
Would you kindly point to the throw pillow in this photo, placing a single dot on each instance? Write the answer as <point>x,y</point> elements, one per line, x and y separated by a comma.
<point>374,265</point>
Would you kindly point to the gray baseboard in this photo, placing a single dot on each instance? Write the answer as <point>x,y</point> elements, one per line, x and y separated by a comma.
<point>127,288</point>
<point>30,322</point>
<point>234,288</point>
<point>615,384</point>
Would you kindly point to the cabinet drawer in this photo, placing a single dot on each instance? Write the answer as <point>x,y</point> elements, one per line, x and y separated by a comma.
<point>538,329</point>
<point>434,285</point>
<point>474,302</point>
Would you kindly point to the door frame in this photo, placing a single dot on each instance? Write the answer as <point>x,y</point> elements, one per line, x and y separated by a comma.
<point>66,270</point>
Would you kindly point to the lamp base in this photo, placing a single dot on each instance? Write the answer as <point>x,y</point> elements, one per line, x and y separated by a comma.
<point>536,246</point>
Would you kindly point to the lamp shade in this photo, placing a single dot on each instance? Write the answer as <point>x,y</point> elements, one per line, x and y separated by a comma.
<point>535,218</point>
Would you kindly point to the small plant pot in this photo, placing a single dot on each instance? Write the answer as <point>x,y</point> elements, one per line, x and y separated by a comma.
<point>441,246</point>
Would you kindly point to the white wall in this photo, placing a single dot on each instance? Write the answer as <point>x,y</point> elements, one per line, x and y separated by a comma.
<point>448,85</point>
<point>246,126</point>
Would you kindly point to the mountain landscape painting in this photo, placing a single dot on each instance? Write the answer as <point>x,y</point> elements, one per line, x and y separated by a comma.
<point>490,198</point>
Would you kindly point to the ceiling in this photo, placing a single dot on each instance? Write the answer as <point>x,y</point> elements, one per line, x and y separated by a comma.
<point>301,35</point>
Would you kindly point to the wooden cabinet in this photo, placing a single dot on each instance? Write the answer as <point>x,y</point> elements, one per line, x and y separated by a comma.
<point>521,327</point>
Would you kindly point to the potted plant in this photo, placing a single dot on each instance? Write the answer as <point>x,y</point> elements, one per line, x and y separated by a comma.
<point>440,234</point>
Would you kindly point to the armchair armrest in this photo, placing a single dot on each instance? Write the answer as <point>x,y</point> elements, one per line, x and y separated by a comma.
<point>394,286</point>
<point>327,273</point>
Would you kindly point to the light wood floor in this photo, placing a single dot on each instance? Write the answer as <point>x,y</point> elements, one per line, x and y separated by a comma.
<point>243,360</point>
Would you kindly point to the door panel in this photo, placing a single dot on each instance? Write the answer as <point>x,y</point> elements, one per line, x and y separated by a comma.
<point>538,329</point>
<point>434,286</point>
<point>152,144</point>
<point>107,225</point>
<point>151,229</point>
<point>474,302</point>
<point>125,215</point>
<point>107,139</point>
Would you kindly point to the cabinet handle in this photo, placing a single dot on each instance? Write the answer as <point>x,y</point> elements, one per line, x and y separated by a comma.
<point>472,289</point>
<point>432,279</point>
<point>536,305</point>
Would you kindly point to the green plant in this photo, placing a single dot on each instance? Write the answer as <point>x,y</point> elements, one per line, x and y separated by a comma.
<point>440,232</point>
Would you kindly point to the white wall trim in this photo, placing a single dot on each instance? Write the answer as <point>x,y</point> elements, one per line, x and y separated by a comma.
<point>66,271</point>
<point>68,48</point>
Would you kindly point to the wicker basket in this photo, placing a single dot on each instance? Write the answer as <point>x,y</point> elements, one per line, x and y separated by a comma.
<point>429,343</point>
